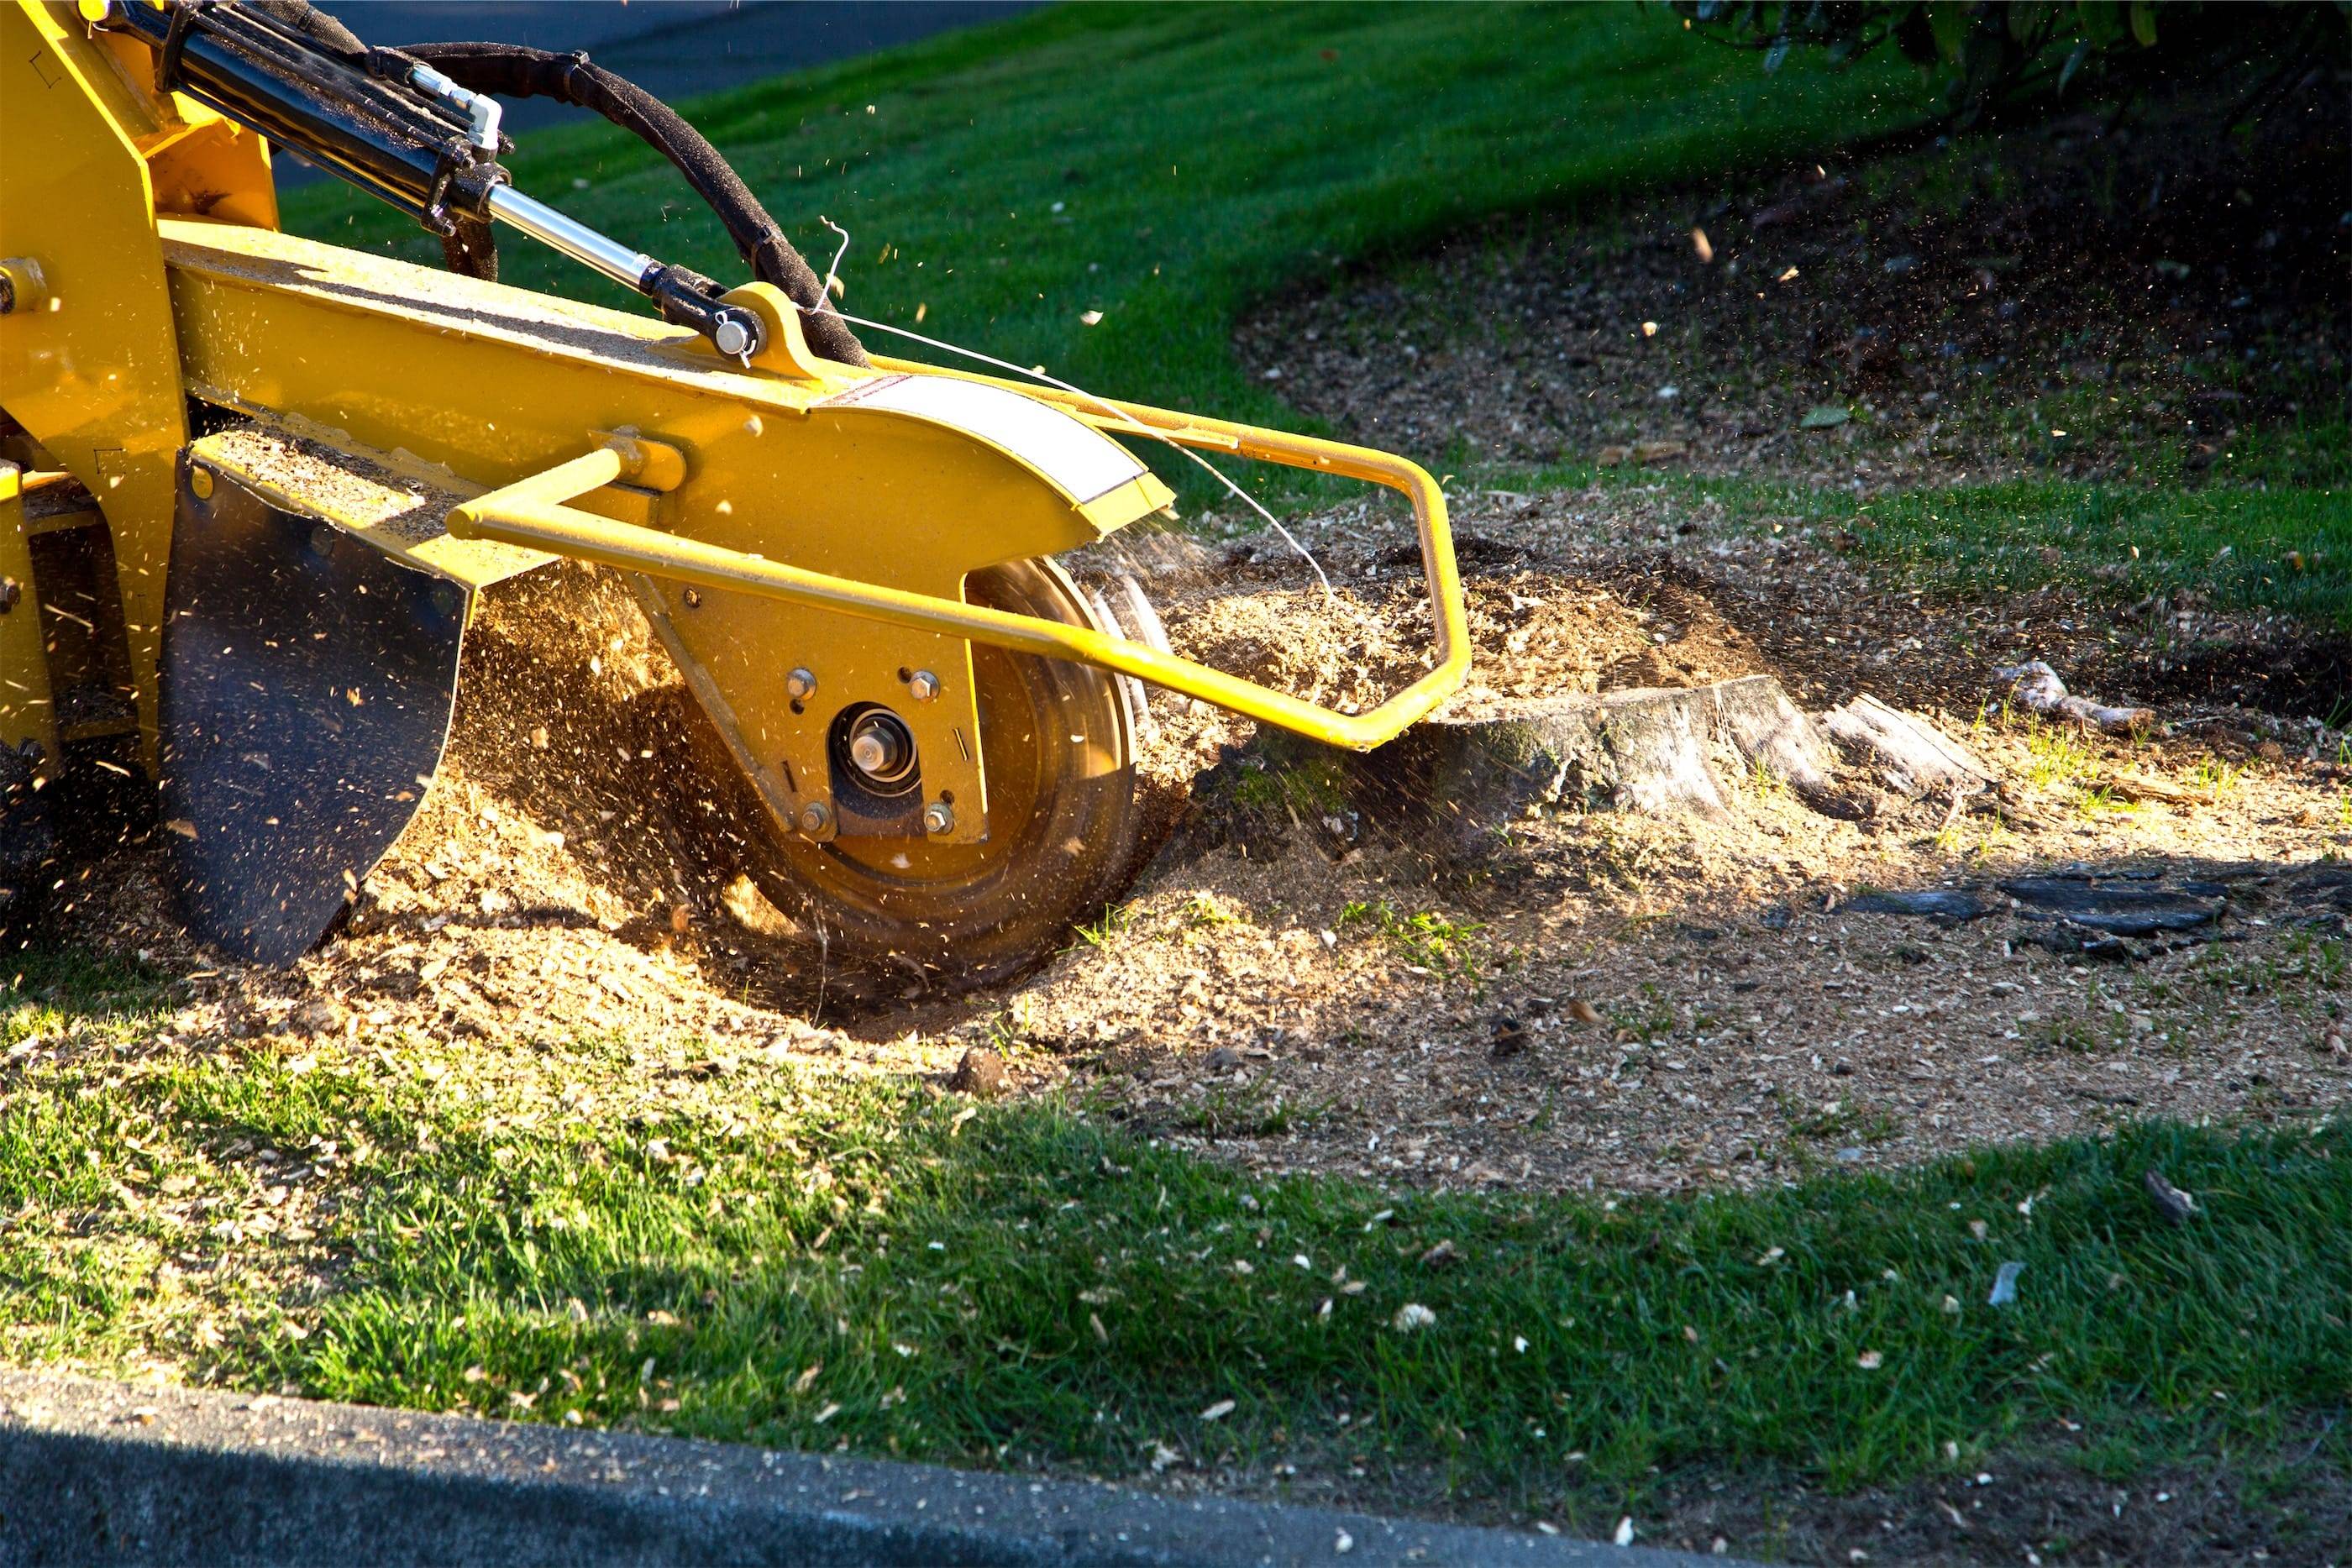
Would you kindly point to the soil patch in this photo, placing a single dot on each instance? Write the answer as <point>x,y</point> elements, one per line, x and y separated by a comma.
<point>2068,299</point>
<point>1598,1001</point>
<point>2039,1499</point>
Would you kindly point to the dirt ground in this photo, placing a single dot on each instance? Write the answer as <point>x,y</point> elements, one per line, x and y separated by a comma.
<point>1624,1002</point>
<point>2078,298</point>
<point>1598,999</point>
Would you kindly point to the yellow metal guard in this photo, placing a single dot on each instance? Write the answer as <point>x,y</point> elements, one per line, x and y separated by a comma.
<point>535,513</point>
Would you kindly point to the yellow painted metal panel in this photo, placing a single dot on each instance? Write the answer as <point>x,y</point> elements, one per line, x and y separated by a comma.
<point>396,505</point>
<point>496,384</point>
<point>93,369</point>
<point>536,512</point>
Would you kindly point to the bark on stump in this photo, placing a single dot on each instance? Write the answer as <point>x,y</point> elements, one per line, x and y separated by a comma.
<point>1911,756</point>
<point>1658,750</point>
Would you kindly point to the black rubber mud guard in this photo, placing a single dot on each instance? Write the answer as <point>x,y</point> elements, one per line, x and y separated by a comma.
<point>307,685</point>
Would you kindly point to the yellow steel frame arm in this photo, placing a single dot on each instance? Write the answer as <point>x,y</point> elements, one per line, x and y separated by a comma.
<point>536,513</point>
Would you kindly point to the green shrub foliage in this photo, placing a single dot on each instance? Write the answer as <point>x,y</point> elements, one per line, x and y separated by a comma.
<point>1996,56</point>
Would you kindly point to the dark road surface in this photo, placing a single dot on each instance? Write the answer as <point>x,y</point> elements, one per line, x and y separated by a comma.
<point>672,48</point>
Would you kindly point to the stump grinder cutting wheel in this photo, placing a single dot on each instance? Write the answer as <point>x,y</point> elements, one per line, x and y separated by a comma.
<point>251,486</point>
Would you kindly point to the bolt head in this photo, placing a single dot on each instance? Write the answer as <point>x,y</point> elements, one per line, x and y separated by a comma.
<point>937,817</point>
<point>815,818</point>
<point>923,685</point>
<point>200,480</point>
<point>800,683</point>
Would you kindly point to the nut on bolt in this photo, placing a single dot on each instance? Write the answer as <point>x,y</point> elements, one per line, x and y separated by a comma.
<point>938,818</point>
<point>815,818</point>
<point>21,286</point>
<point>801,684</point>
<point>922,686</point>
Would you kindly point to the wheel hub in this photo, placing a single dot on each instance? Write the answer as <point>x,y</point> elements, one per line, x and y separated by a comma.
<point>882,751</point>
<point>1061,813</point>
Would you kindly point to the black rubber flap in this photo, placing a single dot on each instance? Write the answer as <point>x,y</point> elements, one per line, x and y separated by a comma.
<point>307,685</point>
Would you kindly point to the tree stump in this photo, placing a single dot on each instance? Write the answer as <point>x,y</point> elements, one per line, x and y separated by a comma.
<point>1910,755</point>
<point>1658,750</point>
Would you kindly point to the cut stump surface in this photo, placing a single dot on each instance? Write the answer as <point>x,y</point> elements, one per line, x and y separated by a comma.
<point>1658,750</point>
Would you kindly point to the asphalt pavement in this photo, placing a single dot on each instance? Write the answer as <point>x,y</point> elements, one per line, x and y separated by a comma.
<point>108,1473</point>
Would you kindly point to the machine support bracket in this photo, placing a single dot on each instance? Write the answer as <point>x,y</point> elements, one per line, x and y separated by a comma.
<point>535,512</point>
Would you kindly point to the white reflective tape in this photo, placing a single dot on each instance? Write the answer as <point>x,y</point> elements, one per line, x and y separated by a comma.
<point>1070,453</point>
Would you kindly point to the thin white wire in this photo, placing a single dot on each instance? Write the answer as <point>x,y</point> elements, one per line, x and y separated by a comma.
<point>831,274</point>
<point>833,269</point>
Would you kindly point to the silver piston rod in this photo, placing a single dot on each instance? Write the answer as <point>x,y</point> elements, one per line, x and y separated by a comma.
<point>312,101</point>
<point>733,331</point>
<point>630,269</point>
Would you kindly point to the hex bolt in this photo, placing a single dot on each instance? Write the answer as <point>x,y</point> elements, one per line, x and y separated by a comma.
<point>12,593</point>
<point>938,818</point>
<point>815,818</point>
<point>21,285</point>
<point>923,685</point>
<point>200,480</point>
<point>800,684</point>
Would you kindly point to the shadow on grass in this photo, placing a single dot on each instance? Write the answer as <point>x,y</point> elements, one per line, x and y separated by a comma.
<point>50,982</point>
<point>1021,1288</point>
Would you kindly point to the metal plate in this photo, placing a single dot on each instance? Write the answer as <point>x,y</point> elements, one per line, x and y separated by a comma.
<point>307,685</point>
<point>1073,456</point>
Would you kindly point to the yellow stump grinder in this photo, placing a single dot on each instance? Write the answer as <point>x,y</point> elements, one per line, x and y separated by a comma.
<point>252,485</point>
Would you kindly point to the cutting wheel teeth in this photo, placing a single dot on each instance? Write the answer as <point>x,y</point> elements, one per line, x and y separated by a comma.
<point>1149,628</point>
<point>1139,701</point>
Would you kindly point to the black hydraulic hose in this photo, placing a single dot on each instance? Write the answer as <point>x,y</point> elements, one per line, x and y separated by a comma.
<point>511,70</point>
<point>303,81</point>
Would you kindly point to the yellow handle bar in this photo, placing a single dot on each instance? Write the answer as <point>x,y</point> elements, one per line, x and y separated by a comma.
<point>534,513</point>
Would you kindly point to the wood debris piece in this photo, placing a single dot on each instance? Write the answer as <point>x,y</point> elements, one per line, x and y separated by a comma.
<point>1911,755</point>
<point>2138,787</point>
<point>2177,1206</point>
<point>982,1073</point>
<point>2037,686</point>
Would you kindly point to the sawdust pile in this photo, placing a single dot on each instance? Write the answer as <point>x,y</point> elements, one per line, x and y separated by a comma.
<point>569,871</point>
<point>1254,608</point>
<point>566,784</point>
<point>578,861</point>
<point>571,866</point>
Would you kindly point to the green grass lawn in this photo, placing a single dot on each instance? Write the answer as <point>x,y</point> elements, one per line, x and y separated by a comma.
<point>592,1234</point>
<point>2284,548</point>
<point>580,1232</point>
<point>1169,164</point>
